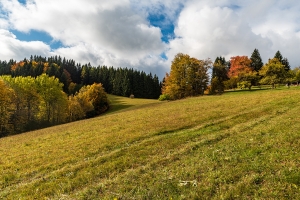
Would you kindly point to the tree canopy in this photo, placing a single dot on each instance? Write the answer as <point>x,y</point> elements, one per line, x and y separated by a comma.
<point>27,103</point>
<point>273,72</point>
<point>188,77</point>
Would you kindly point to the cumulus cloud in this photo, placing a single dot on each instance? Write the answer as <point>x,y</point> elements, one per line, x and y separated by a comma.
<point>105,32</point>
<point>119,32</point>
<point>234,27</point>
<point>13,48</point>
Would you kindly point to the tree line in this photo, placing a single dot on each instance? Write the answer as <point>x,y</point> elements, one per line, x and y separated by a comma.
<point>117,81</point>
<point>28,103</point>
<point>190,77</point>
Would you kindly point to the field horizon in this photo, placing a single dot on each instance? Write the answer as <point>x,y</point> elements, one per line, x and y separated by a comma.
<point>239,145</point>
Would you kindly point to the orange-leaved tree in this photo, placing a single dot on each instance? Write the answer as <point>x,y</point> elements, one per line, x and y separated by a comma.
<point>238,65</point>
<point>241,72</point>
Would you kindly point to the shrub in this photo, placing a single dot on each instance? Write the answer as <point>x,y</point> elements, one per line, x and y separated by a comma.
<point>164,97</point>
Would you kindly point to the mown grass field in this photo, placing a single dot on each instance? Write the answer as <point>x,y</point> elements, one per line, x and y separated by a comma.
<point>240,145</point>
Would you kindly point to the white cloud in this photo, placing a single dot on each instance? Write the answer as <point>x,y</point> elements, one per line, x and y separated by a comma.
<point>118,33</point>
<point>207,31</point>
<point>12,48</point>
<point>113,25</point>
<point>229,28</point>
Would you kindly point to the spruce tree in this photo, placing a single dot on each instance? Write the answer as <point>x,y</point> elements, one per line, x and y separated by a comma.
<point>278,56</point>
<point>256,63</point>
<point>283,61</point>
<point>286,64</point>
<point>219,75</point>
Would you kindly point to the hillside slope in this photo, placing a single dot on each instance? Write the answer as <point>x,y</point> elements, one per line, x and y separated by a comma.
<point>241,145</point>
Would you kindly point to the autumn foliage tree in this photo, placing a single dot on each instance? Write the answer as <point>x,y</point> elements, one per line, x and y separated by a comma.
<point>188,77</point>
<point>239,65</point>
<point>25,99</point>
<point>53,99</point>
<point>6,107</point>
<point>27,103</point>
<point>92,99</point>
<point>240,73</point>
<point>273,73</point>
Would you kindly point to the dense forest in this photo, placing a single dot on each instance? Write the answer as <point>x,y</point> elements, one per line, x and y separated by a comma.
<point>40,92</point>
<point>117,81</point>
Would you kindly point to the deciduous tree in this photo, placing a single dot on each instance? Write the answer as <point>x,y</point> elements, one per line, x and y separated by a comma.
<point>54,99</point>
<point>241,72</point>
<point>188,77</point>
<point>26,100</point>
<point>239,64</point>
<point>7,108</point>
<point>273,73</point>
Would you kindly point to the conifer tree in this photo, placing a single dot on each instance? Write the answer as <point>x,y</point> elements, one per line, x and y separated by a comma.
<point>219,75</point>
<point>286,64</point>
<point>256,61</point>
<point>278,56</point>
<point>283,61</point>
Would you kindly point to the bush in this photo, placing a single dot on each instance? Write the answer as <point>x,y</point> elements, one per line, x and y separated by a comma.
<point>244,85</point>
<point>164,97</point>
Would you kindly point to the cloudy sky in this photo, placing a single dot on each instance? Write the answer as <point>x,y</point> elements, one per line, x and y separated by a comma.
<point>147,34</point>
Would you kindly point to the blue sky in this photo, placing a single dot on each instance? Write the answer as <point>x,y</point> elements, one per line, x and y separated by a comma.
<point>22,1</point>
<point>146,35</point>
<point>34,35</point>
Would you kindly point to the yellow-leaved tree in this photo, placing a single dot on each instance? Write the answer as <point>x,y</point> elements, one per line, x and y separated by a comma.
<point>92,100</point>
<point>7,108</point>
<point>188,77</point>
<point>273,73</point>
<point>54,102</point>
<point>26,101</point>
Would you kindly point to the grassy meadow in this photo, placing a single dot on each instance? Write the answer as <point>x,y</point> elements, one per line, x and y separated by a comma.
<point>239,145</point>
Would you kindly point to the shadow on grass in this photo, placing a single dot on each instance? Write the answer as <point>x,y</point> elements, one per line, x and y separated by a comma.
<point>117,104</point>
<point>256,88</point>
<point>246,90</point>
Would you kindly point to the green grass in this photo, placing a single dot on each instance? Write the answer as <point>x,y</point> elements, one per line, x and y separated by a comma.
<point>240,145</point>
